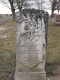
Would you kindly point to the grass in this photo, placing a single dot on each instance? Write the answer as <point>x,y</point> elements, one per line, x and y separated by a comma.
<point>8,24</point>
<point>53,49</point>
<point>8,51</point>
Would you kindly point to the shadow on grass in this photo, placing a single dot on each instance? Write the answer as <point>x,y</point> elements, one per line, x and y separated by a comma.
<point>50,69</point>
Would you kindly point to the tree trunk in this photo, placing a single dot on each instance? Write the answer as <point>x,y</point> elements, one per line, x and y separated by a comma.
<point>13,13</point>
<point>12,9</point>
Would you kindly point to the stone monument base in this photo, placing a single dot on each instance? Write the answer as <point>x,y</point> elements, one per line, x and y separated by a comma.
<point>31,76</point>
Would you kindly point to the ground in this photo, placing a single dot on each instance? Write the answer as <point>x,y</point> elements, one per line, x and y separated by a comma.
<point>53,52</point>
<point>8,50</point>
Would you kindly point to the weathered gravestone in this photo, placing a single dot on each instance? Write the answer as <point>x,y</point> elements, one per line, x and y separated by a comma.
<point>31,43</point>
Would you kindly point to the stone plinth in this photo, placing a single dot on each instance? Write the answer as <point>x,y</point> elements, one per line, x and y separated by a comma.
<point>31,76</point>
<point>30,56</point>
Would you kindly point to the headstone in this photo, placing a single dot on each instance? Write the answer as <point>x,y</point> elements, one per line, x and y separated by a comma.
<point>56,19</point>
<point>31,43</point>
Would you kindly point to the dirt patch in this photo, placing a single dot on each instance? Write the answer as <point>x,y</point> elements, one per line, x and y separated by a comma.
<point>54,78</point>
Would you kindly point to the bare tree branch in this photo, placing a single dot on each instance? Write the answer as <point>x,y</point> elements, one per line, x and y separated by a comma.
<point>6,4</point>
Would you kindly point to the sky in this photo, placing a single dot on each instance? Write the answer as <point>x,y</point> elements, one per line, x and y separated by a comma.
<point>5,10</point>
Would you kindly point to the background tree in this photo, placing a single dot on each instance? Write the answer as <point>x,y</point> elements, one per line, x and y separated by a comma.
<point>12,8</point>
<point>58,5</point>
<point>54,2</point>
<point>55,5</point>
<point>11,4</point>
